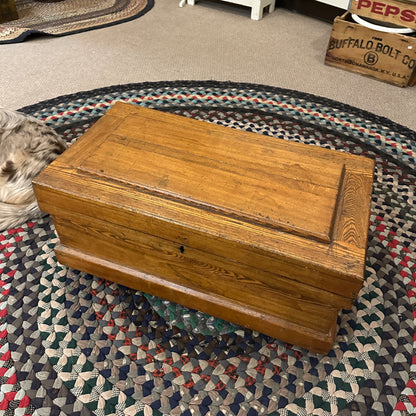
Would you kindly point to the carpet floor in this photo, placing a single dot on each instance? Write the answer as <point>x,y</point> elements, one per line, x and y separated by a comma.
<point>75,344</point>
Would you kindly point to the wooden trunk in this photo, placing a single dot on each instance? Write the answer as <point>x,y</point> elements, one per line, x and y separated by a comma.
<point>264,233</point>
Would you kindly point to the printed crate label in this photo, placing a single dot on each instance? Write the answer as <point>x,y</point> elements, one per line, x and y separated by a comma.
<point>398,12</point>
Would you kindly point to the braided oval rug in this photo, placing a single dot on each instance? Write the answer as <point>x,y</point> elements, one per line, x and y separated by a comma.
<point>75,344</point>
<point>69,16</point>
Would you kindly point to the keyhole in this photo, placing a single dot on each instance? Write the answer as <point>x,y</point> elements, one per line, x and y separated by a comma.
<point>182,249</point>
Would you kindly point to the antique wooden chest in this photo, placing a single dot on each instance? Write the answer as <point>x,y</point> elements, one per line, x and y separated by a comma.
<point>258,231</point>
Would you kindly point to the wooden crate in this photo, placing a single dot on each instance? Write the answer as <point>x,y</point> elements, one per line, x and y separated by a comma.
<point>398,12</point>
<point>264,233</point>
<point>388,57</point>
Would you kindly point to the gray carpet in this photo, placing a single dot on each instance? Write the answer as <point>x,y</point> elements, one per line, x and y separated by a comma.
<point>210,40</point>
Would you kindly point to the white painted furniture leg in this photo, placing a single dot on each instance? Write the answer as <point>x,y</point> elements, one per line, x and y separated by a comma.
<point>257,12</point>
<point>259,5</point>
<point>191,2</point>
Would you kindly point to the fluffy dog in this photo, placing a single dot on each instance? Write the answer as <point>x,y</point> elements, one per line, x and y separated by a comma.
<point>26,147</point>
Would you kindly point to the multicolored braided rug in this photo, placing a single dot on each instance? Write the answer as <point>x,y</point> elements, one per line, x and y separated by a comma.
<point>69,16</point>
<point>75,344</point>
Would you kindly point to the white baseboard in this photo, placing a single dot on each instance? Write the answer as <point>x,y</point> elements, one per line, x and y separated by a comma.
<point>342,4</point>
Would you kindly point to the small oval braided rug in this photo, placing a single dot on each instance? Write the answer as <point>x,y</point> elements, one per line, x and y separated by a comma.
<point>75,344</point>
<point>69,16</point>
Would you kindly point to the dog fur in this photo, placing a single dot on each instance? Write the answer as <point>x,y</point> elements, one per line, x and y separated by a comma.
<point>27,146</point>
